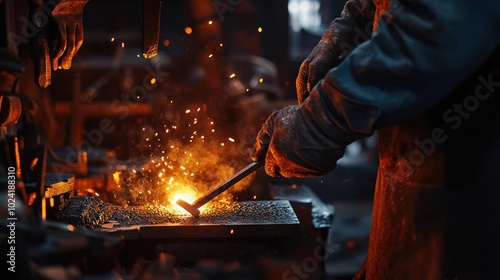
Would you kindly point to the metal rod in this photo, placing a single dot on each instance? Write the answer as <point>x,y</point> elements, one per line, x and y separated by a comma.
<point>227,184</point>
<point>193,208</point>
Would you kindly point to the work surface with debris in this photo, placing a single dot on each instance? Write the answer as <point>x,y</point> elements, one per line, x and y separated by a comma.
<point>248,218</point>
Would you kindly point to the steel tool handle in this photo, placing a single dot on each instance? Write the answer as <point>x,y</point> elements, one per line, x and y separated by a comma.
<point>227,184</point>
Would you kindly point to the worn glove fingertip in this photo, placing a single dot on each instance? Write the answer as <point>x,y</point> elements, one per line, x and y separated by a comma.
<point>271,168</point>
<point>55,64</point>
<point>261,146</point>
<point>256,153</point>
<point>66,65</point>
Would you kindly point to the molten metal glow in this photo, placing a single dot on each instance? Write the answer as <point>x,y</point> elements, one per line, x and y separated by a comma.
<point>188,196</point>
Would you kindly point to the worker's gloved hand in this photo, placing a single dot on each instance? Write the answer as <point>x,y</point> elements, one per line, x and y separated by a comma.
<point>314,68</point>
<point>293,145</point>
<point>352,28</point>
<point>68,16</point>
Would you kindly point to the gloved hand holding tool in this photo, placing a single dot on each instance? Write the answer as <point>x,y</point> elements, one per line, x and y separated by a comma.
<point>55,49</point>
<point>301,140</point>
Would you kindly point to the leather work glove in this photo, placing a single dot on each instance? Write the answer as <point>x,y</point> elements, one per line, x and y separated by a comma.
<point>352,28</point>
<point>315,66</point>
<point>302,140</point>
<point>68,16</point>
